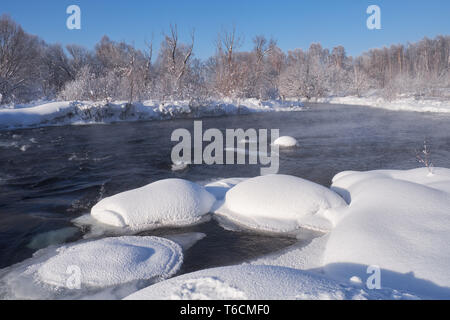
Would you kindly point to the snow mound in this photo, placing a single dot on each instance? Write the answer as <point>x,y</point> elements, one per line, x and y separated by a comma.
<point>113,261</point>
<point>281,204</point>
<point>254,283</point>
<point>286,142</point>
<point>106,268</point>
<point>171,202</point>
<point>399,221</point>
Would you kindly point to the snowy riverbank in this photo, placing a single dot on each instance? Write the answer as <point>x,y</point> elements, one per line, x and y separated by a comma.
<point>402,103</point>
<point>40,114</point>
<point>74,112</point>
<point>392,221</point>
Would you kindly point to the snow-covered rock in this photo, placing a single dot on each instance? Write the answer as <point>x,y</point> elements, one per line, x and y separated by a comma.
<point>280,203</point>
<point>171,202</point>
<point>255,283</point>
<point>399,221</point>
<point>112,261</point>
<point>105,268</point>
<point>285,142</point>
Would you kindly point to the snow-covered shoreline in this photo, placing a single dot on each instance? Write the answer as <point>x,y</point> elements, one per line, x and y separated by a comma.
<point>41,114</point>
<point>76,112</point>
<point>402,103</point>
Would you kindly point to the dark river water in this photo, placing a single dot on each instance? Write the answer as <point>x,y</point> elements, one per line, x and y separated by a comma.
<point>49,176</point>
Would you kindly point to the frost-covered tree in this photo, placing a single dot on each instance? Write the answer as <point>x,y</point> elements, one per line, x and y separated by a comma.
<point>20,58</point>
<point>174,66</point>
<point>32,69</point>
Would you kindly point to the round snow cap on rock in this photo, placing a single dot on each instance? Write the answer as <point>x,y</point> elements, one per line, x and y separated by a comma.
<point>280,203</point>
<point>112,261</point>
<point>286,142</point>
<point>171,202</point>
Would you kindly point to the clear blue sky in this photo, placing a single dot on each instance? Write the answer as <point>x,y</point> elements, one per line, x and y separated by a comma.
<point>294,23</point>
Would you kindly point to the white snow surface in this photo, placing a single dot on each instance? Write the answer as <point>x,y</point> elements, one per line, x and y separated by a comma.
<point>281,204</point>
<point>256,283</point>
<point>401,103</point>
<point>112,261</point>
<point>285,142</point>
<point>171,202</point>
<point>220,187</point>
<point>105,266</point>
<point>399,221</point>
<point>88,112</point>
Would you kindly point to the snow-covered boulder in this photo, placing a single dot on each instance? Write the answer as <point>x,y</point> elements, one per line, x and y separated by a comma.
<point>109,268</point>
<point>171,202</point>
<point>399,221</point>
<point>255,283</point>
<point>286,142</point>
<point>112,261</point>
<point>280,203</point>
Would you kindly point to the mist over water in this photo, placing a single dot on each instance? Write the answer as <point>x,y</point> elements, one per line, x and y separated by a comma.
<point>49,176</point>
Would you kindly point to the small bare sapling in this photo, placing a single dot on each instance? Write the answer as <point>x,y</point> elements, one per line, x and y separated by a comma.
<point>424,157</point>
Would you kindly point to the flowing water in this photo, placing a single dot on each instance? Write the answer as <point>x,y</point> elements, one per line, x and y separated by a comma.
<point>51,175</point>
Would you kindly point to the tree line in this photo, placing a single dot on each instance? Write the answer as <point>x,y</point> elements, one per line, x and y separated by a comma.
<point>32,69</point>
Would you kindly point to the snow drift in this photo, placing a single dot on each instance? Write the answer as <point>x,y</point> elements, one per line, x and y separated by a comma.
<point>255,283</point>
<point>399,221</point>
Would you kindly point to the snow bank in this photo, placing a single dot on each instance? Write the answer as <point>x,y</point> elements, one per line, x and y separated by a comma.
<point>399,104</point>
<point>286,142</point>
<point>279,203</point>
<point>399,221</point>
<point>73,112</point>
<point>42,114</point>
<point>171,202</point>
<point>306,254</point>
<point>255,283</point>
<point>122,264</point>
